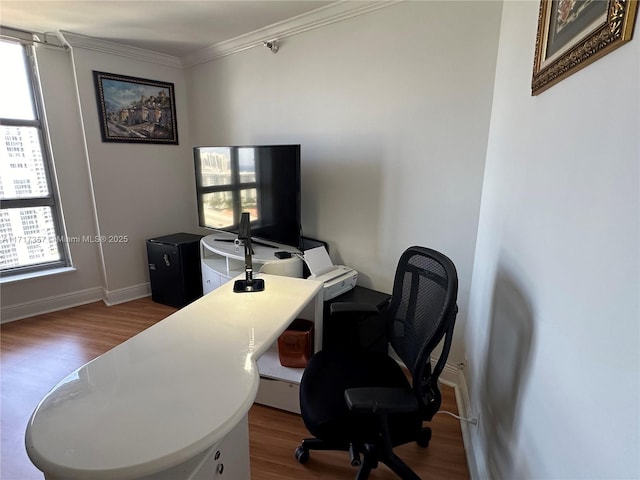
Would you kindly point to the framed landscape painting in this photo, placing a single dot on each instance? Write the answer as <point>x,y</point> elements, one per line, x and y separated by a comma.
<point>574,33</point>
<point>135,110</point>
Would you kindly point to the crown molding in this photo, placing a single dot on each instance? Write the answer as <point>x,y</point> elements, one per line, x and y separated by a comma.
<point>16,34</point>
<point>333,13</point>
<point>75,40</point>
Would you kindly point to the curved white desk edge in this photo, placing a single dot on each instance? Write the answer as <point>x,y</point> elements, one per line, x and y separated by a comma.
<point>170,393</point>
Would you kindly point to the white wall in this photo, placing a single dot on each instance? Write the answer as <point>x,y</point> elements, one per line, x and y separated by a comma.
<point>141,190</point>
<point>553,336</point>
<point>392,112</point>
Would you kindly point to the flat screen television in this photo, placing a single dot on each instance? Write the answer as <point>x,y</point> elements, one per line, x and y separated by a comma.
<point>263,180</point>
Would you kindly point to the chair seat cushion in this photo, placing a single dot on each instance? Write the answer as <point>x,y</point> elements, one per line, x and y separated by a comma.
<point>323,406</point>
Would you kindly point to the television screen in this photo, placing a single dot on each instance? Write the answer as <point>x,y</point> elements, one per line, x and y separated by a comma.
<point>262,180</point>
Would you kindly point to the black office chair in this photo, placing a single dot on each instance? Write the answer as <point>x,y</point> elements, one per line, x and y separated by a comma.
<point>360,400</point>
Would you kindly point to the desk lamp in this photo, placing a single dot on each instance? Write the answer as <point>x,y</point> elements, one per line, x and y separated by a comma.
<point>249,284</point>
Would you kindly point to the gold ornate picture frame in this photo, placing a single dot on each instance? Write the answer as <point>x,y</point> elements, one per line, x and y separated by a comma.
<point>574,33</point>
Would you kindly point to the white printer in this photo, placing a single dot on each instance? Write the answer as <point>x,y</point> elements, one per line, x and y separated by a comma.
<point>337,279</point>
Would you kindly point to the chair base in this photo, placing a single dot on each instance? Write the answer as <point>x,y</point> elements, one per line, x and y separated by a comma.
<point>371,455</point>
<point>302,452</point>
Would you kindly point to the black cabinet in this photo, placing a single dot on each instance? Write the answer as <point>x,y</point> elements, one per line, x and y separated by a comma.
<point>337,334</point>
<point>174,268</point>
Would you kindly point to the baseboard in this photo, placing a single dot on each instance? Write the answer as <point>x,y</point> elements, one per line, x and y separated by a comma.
<point>450,374</point>
<point>121,295</point>
<point>453,375</point>
<point>475,459</point>
<point>11,313</point>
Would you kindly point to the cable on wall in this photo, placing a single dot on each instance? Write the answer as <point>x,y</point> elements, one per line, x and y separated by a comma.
<point>473,421</point>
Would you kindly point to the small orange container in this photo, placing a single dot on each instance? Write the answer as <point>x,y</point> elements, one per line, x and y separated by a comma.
<point>295,345</point>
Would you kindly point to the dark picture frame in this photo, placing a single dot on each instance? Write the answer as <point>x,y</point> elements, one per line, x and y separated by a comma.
<point>574,33</point>
<point>135,110</point>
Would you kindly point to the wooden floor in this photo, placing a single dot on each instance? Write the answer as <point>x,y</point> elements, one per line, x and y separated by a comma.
<point>38,352</point>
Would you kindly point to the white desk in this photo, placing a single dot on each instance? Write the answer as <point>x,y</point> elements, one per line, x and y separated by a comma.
<point>163,402</point>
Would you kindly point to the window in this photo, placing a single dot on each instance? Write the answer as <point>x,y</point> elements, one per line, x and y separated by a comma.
<point>30,228</point>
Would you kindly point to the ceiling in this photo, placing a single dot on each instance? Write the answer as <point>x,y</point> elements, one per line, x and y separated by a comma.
<point>172,27</point>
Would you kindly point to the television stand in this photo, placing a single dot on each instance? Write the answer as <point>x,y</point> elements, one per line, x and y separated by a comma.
<point>222,260</point>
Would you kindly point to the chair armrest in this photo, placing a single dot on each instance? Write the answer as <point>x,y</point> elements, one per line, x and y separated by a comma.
<point>381,400</point>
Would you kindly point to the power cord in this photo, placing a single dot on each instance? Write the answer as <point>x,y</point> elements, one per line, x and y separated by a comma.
<point>472,421</point>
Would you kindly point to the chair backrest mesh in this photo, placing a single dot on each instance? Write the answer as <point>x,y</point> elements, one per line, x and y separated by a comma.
<point>422,308</point>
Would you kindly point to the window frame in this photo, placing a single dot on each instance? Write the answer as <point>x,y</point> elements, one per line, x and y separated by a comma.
<point>51,200</point>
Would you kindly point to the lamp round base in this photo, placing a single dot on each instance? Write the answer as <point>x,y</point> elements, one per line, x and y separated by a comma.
<point>241,286</point>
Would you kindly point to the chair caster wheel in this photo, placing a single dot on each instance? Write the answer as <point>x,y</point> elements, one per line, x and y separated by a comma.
<point>354,455</point>
<point>302,455</point>
<point>424,437</point>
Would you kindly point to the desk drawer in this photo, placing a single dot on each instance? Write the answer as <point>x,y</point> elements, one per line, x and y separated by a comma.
<point>279,394</point>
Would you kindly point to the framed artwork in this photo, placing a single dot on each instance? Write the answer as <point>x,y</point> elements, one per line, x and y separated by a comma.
<point>135,110</point>
<point>574,33</point>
